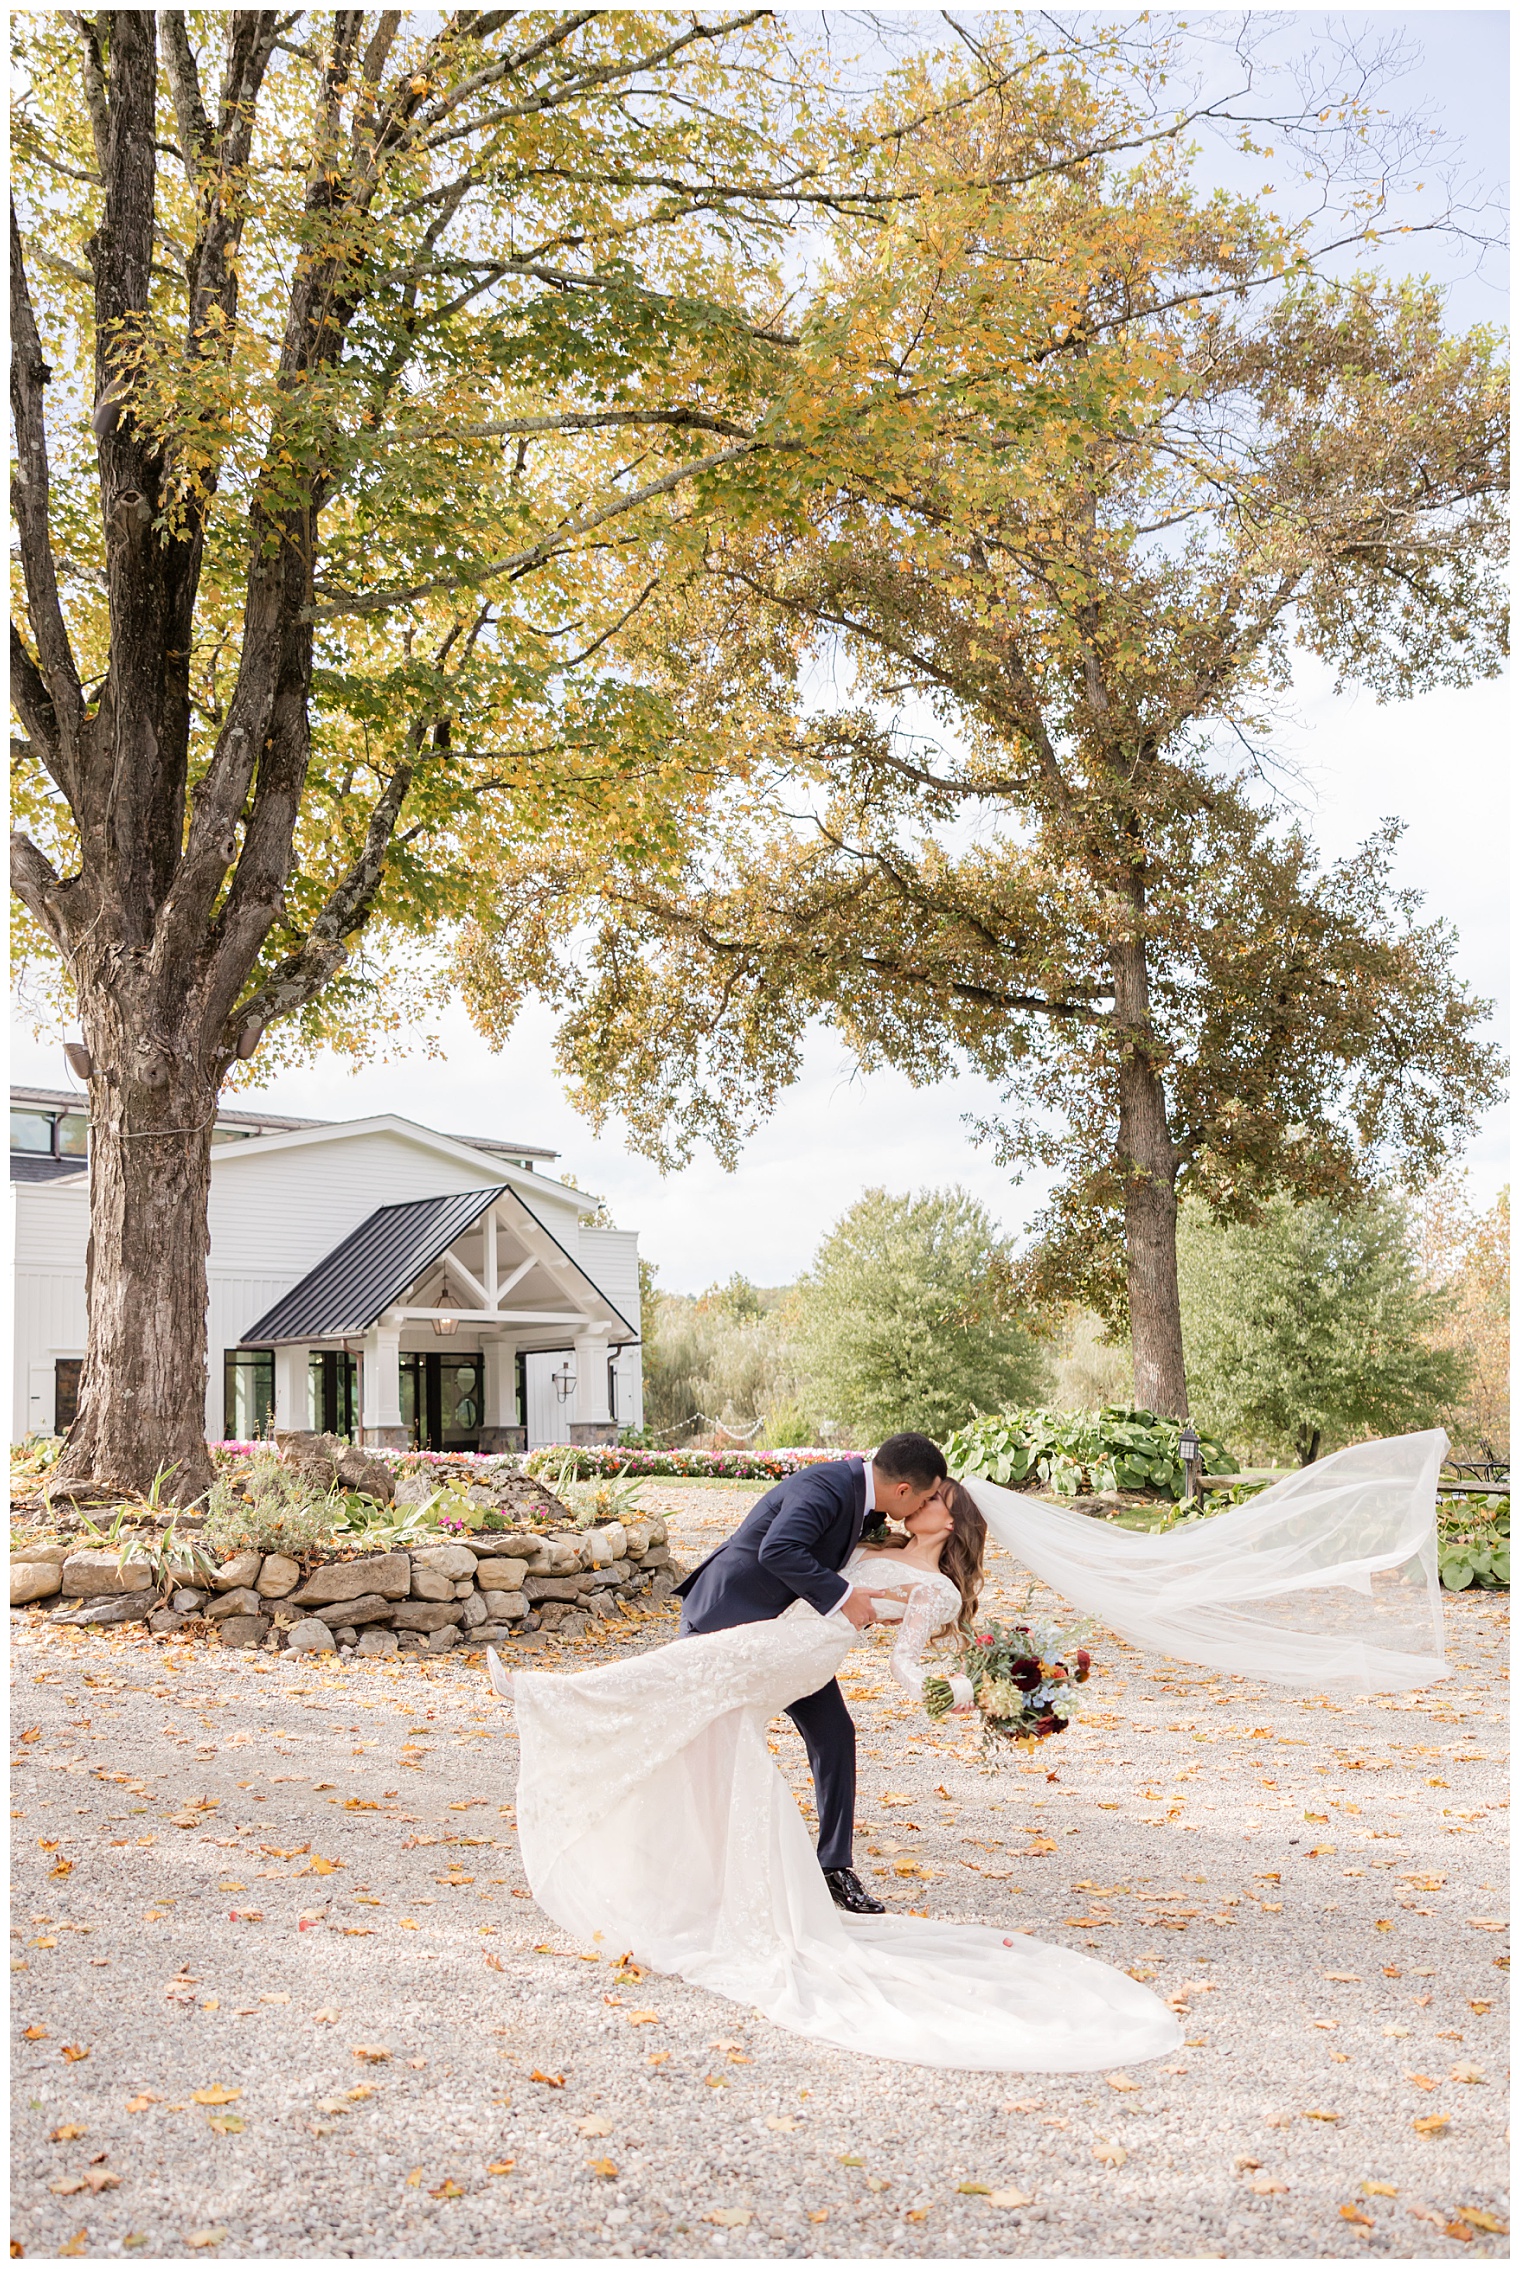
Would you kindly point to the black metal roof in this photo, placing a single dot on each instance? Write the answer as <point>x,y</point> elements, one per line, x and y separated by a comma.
<point>359,1279</point>
<point>37,1166</point>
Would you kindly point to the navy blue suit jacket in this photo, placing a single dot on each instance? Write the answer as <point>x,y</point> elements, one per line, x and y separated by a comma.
<point>789,1546</point>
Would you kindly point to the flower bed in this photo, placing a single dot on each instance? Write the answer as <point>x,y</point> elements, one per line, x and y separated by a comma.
<point>617,1464</point>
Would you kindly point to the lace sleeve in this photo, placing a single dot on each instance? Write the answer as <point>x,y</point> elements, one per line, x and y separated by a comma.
<point>928,1607</point>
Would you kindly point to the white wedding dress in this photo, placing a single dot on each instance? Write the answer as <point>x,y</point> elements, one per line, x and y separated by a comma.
<point>653,1819</point>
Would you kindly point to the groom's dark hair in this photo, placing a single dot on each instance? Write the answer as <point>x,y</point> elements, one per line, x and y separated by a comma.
<point>912,1457</point>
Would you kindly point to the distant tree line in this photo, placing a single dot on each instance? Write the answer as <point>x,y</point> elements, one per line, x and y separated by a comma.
<point>1309,1327</point>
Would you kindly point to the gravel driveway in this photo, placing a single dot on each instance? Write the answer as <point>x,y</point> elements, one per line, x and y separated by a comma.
<point>280,1991</point>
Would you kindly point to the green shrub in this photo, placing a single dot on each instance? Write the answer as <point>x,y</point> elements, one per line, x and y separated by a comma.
<point>1474,1543</point>
<point>1079,1452</point>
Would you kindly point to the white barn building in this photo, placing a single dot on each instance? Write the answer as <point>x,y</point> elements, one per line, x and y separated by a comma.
<point>368,1277</point>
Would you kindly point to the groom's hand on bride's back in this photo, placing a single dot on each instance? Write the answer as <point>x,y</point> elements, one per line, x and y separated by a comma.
<point>857,1607</point>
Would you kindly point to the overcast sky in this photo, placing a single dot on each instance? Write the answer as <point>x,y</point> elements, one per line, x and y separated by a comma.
<point>1440,763</point>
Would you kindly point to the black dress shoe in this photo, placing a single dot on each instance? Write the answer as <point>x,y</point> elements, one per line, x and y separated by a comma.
<point>847,1891</point>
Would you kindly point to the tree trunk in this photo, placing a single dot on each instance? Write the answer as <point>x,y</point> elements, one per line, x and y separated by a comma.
<point>142,1400</point>
<point>1148,1164</point>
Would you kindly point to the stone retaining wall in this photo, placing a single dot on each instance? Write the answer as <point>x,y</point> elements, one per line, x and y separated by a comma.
<point>483,1589</point>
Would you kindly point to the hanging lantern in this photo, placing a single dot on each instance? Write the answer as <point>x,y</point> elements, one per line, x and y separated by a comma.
<point>445,1326</point>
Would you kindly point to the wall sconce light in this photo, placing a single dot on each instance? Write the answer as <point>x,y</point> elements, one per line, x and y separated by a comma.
<point>565,1381</point>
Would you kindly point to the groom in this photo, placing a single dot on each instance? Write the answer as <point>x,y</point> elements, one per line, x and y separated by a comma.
<point>792,1546</point>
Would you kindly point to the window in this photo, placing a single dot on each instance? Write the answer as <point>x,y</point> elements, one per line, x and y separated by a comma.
<point>248,1393</point>
<point>60,1134</point>
<point>333,1392</point>
<point>32,1130</point>
<point>66,1392</point>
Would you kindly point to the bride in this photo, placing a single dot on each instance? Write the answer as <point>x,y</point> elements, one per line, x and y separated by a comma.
<point>653,1818</point>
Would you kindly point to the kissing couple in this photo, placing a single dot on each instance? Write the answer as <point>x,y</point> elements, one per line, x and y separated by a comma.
<point>652,1816</point>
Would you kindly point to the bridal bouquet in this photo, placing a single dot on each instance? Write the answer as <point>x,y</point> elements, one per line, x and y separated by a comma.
<point>1024,1677</point>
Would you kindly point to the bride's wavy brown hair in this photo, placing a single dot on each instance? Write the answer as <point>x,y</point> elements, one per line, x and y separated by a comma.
<point>963,1551</point>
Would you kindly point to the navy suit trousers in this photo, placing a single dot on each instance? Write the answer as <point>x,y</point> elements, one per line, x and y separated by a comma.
<point>828,1730</point>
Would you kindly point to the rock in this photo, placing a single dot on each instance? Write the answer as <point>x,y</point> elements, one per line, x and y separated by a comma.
<point>657,1556</point>
<point>390,1574</point>
<point>638,1539</point>
<point>556,1556</point>
<point>348,1639</point>
<point>88,1575</point>
<point>663,1585</point>
<point>553,1587</point>
<point>439,1641</point>
<point>492,1634</point>
<point>506,1606</point>
<point>501,1575</point>
<point>451,1560</point>
<point>53,1554</point>
<point>369,1475</point>
<point>412,1642</point>
<point>596,1549</point>
<point>415,1489</point>
<point>475,1612</point>
<point>310,1636</point>
<point>604,1605</point>
<point>188,1602</point>
<point>513,1544</point>
<point>377,1642</point>
<point>617,1539</point>
<point>658,1532</point>
<point>369,1607</point>
<point>34,1579</point>
<point>427,1614</point>
<point>242,1602</point>
<point>314,1457</point>
<point>165,1619</point>
<point>244,1630</point>
<point>279,1575</point>
<point>574,1626</point>
<point>241,1570</point>
<point>127,1607</point>
<point>427,1583</point>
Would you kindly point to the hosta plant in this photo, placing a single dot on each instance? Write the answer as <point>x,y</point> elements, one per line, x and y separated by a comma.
<point>1080,1452</point>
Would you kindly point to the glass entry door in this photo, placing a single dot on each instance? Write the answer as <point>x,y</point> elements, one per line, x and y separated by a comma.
<point>442,1400</point>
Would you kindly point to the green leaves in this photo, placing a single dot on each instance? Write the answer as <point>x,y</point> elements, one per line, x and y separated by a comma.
<point>1079,1452</point>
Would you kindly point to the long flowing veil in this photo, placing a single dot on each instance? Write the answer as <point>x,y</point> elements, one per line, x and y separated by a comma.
<point>1327,1579</point>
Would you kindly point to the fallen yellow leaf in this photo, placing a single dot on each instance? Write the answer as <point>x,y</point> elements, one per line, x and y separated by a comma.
<point>1011,2198</point>
<point>216,2095</point>
<point>1435,2124</point>
<point>1481,2220</point>
<point>202,2238</point>
<point>367,2053</point>
<point>501,2166</point>
<point>1381,2189</point>
<point>1123,2082</point>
